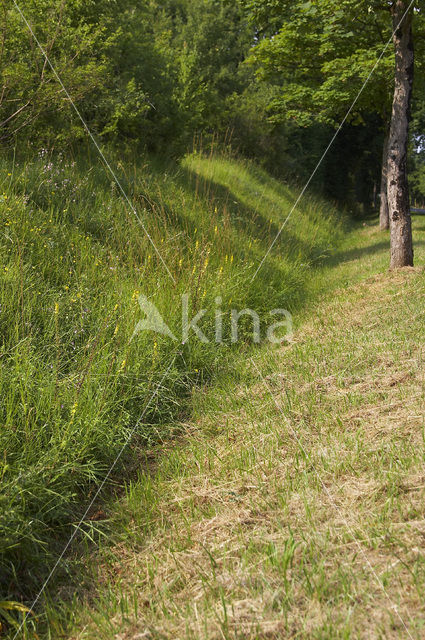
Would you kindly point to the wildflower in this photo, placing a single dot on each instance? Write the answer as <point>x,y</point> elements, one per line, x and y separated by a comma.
<point>196,245</point>
<point>122,366</point>
<point>116,329</point>
<point>9,174</point>
<point>74,410</point>
<point>231,259</point>
<point>215,229</point>
<point>116,307</point>
<point>56,308</point>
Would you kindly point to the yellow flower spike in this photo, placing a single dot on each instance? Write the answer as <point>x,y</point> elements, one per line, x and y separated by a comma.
<point>215,229</point>
<point>180,262</point>
<point>74,410</point>
<point>116,329</point>
<point>193,270</point>
<point>231,259</point>
<point>225,259</point>
<point>56,308</point>
<point>116,307</point>
<point>122,366</point>
<point>196,245</point>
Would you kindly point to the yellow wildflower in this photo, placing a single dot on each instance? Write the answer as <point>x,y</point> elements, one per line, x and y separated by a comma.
<point>74,409</point>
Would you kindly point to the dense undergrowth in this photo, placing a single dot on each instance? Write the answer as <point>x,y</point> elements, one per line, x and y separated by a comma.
<point>74,261</point>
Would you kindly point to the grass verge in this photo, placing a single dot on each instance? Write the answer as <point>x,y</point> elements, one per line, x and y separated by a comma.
<point>73,381</point>
<point>293,506</point>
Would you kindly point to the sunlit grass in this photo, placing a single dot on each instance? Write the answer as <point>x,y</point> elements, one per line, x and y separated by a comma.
<point>292,504</point>
<point>74,260</point>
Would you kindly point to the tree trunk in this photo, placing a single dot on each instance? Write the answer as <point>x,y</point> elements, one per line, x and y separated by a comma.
<point>384,215</point>
<point>398,187</point>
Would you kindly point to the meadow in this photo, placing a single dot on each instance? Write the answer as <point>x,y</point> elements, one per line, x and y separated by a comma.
<point>292,505</point>
<point>73,382</point>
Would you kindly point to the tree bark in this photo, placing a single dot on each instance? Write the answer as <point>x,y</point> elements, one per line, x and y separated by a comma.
<point>398,186</point>
<point>384,214</point>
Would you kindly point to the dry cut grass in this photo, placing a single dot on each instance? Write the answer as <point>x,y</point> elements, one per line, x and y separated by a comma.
<point>294,508</point>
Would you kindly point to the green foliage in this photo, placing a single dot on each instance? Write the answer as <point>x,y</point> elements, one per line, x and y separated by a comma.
<point>321,55</point>
<point>152,72</point>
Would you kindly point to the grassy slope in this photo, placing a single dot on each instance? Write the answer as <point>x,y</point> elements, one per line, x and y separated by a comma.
<point>294,505</point>
<point>74,261</point>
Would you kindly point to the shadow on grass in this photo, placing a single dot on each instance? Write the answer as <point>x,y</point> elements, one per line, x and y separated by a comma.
<point>73,578</point>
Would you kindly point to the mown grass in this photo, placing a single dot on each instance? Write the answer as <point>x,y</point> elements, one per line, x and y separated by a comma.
<point>74,261</point>
<point>293,504</point>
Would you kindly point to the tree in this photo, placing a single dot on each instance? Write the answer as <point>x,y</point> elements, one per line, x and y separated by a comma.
<point>322,53</point>
<point>398,187</point>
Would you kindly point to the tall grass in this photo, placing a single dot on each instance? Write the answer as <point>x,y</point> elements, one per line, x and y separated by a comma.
<point>73,382</point>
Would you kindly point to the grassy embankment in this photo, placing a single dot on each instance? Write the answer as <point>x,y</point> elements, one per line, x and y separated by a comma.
<point>72,381</point>
<point>293,505</point>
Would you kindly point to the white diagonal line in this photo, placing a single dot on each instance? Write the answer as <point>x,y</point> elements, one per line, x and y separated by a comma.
<point>98,491</point>
<point>332,501</point>
<point>325,153</point>
<point>93,139</point>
